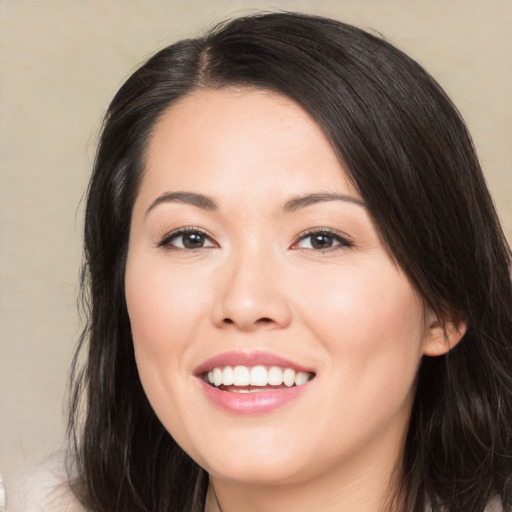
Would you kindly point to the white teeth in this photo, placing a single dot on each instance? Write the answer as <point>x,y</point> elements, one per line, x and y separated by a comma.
<point>258,376</point>
<point>275,376</point>
<point>227,376</point>
<point>217,376</point>
<point>301,378</point>
<point>241,376</point>
<point>289,377</point>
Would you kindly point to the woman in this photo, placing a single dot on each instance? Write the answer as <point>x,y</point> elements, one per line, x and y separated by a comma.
<point>299,293</point>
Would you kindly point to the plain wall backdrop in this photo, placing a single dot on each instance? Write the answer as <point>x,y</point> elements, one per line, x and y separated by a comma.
<point>60,64</point>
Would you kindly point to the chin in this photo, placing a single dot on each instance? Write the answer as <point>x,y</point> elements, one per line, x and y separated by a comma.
<point>264,463</point>
<point>259,472</point>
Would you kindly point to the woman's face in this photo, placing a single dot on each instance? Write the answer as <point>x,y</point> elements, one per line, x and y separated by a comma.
<point>253,259</point>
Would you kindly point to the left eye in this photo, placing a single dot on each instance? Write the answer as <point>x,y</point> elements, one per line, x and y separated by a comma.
<point>322,240</point>
<point>187,239</point>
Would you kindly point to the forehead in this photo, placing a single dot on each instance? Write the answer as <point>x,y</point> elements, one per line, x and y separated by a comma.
<point>224,140</point>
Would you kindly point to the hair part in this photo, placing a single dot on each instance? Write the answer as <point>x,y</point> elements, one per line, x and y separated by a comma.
<point>408,153</point>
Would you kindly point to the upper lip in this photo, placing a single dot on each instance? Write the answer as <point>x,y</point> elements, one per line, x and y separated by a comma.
<point>248,359</point>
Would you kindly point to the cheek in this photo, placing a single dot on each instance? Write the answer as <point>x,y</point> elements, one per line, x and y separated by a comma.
<point>370,329</point>
<point>370,323</point>
<point>164,312</point>
<point>163,317</point>
<point>164,308</point>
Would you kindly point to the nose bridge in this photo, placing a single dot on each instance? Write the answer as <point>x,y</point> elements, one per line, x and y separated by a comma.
<point>249,291</point>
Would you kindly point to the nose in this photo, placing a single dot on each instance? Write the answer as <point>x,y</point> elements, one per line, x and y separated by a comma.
<point>250,294</point>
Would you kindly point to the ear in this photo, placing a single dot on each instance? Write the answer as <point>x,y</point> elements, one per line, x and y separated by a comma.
<point>441,339</point>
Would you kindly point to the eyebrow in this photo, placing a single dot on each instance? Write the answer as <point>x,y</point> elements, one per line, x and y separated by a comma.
<point>199,200</point>
<point>292,205</point>
<point>296,203</point>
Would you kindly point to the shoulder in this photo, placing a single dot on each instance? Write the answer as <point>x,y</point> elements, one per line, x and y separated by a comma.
<point>494,506</point>
<point>42,488</point>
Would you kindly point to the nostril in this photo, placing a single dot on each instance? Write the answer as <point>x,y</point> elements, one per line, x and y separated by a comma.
<point>263,320</point>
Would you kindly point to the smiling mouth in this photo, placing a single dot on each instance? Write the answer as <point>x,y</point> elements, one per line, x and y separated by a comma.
<point>251,379</point>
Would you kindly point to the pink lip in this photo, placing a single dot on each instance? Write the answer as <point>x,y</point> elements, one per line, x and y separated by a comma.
<point>248,359</point>
<point>249,403</point>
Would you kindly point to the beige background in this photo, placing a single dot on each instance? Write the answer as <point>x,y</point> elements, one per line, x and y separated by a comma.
<point>60,64</point>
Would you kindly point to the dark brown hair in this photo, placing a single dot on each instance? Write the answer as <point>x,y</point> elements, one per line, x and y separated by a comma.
<point>408,153</point>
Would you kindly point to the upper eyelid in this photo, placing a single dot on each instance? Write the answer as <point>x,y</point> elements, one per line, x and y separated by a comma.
<point>166,238</point>
<point>330,231</point>
<point>304,234</point>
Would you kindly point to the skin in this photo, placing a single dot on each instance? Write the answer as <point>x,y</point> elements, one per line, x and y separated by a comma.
<point>347,312</point>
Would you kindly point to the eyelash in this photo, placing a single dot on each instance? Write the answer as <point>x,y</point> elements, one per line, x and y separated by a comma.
<point>342,240</point>
<point>167,240</point>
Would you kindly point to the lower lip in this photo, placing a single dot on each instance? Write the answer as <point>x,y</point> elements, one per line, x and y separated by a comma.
<point>258,402</point>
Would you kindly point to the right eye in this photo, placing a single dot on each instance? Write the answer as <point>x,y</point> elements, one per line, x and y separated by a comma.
<point>188,238</point>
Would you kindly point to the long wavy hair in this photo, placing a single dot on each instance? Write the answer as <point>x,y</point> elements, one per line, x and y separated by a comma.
<point>408,153</point>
